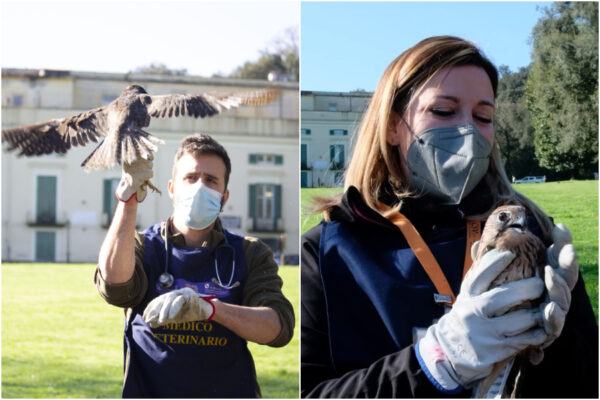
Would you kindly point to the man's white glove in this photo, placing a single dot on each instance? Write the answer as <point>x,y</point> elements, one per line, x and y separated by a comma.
<point>134,180</point>
<point>560,276</point>
<point>177,306</point>
<point>477,332</point>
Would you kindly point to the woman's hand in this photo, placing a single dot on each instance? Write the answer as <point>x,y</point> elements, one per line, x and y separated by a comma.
<point>560,276</point>
<point>478,332</point>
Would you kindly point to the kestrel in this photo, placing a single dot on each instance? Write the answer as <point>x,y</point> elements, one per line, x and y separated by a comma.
<point>121,125</point>
<point>506,230</point>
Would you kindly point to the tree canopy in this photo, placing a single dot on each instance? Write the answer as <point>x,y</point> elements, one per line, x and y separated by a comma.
<point>512,125</point>
<point>159,69</point>
<point>562,88</point>
<point>281,58</point>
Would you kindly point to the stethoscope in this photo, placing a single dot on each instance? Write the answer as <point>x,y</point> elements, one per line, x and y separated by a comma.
<point>166,279</point>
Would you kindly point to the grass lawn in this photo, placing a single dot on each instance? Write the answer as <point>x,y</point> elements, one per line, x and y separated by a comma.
<point>574,203</point>
<point>61,340</point>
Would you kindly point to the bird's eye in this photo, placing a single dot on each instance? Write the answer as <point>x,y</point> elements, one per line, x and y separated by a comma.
<point>503,216</point>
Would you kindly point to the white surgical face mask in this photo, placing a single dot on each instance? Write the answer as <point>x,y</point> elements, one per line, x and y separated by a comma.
<point>448,163</point>
<point>198,205</point>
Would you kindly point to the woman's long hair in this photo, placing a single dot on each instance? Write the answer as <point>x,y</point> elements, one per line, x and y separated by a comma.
<point>375,165</point>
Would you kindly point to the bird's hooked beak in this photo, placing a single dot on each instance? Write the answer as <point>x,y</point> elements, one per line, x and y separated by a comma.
<point>519,224</point>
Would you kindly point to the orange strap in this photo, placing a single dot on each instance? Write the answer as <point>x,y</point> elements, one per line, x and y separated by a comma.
<point>425,256</point>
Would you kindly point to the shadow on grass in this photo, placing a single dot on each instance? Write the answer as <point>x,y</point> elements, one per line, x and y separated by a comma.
<point>38,378</point>
<point>280,384</point>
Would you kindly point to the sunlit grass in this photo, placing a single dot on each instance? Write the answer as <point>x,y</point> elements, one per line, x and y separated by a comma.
<point>61,340</point>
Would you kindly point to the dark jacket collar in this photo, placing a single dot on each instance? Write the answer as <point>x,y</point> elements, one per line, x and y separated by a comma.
<point>424,212</point>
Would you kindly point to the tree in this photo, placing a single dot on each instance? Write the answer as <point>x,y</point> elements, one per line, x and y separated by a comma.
<point>512,125</point>
<point>281,58</point>
<point>159,69</point>
<point>562,88</point>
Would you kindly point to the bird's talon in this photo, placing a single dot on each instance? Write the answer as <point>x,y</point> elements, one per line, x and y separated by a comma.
<point>151,186</point>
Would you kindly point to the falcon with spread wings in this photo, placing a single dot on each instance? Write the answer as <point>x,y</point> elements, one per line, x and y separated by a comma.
<point>121,124</point>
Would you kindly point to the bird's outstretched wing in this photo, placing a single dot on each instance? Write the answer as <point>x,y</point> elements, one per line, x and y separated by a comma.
<point>57,135</point>
<point>205,105</point>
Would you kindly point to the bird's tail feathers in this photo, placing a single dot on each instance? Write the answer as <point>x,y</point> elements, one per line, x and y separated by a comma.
<point>132,145</point>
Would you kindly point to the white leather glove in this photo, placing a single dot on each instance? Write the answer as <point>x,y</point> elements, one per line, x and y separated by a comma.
<point>182,305</point>
<point>560,276</point>
<point>134,180</point>
<point>477,332</point>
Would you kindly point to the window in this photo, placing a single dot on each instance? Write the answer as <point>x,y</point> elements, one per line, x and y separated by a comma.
<point>46,200</point>
<point>265,159</point>
<point>303,179</point>
<point>338,179</point>
<point>332,107</point>
<point>303,156</point>
<point>338,132</point>
<point>305,131</point>
<point>264,206</point>
<point>336,156</point>
<point>45,246</point>
<point>109,203</point>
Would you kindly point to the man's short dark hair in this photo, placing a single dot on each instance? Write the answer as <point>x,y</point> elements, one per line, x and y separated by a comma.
<point>199,144</point>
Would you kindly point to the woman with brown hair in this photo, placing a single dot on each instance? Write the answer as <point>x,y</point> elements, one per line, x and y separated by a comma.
<point>379,313</point>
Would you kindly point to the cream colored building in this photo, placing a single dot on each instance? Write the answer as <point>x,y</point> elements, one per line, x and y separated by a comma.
<point>54,211</point>
<point>329,120</point>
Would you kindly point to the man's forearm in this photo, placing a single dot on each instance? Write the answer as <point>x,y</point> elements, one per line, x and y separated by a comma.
<point>256,324</point>
<point>117,254</point>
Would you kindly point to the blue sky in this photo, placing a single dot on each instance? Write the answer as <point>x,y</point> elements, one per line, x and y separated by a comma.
<point>347,45</point>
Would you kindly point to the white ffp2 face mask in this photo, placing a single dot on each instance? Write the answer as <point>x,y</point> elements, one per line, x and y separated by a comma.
<point>448,162</point>
<point>199,206</point>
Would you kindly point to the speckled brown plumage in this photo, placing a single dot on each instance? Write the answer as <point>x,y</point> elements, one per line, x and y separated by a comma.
<point>506,229</point>
<point>120,123</point>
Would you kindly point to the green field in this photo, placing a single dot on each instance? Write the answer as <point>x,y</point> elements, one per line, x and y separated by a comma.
<point>574,203</point>
<point>61,340</point>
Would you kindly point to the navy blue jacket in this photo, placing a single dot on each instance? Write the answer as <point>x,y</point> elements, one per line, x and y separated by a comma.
<point>363,292</point>
<point>194,359</point>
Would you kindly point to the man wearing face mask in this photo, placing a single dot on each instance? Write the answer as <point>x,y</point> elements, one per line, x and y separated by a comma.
<point>194,292</point>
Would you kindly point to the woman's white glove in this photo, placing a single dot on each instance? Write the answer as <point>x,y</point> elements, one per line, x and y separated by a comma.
<point>477,332</point>
<point>134,180</point>
<point>560,276</point>
<point>177,306</point>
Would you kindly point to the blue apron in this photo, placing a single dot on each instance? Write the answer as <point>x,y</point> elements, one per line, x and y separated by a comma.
<point>193,359</point>
<point>376,292</point>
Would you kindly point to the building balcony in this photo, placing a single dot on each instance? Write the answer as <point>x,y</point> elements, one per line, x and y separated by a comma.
<point>49,220</point>
<point>258,225</point>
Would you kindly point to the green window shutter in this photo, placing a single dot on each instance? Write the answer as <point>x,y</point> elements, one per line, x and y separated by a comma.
<point>252,158</point>
<point>303,156</point>
<point>331,153</point>
<point>45,246</point>
<point>46,199</point>
<point>252,201</point>
<point>106,198</point>
<point>277,195</point>
<point>278,160</point>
